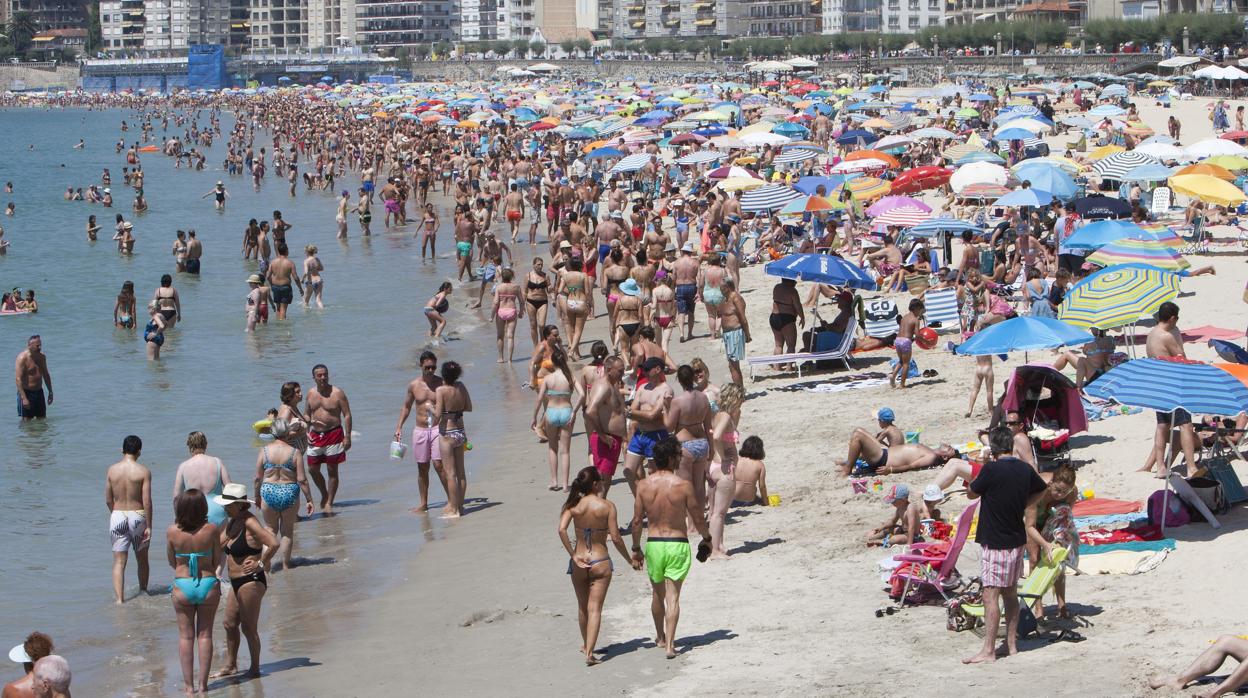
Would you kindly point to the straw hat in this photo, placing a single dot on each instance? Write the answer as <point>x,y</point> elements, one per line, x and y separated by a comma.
<point>233,493</point>
<point>255,279</point>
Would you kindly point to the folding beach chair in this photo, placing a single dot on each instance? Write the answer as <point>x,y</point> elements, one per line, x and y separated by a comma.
<point>1196,241</point>
<point>942,309</point>
<point>880,317</point>
<point>838,353</point>
<point>937,572</point>
<point>1033,588</point>
<point>1160,205</point>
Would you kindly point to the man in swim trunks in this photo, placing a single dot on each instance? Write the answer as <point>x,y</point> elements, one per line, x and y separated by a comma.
<point>329,433</point>
<point>606,232</point>
<point>194,251</point>
<point>646,348</point>
<point>666,502</point>
<point>129,500</point>
<point>604,419</point>
<point>425,447</point>
<point>882,460</point>
<point>686,273</point>
<point>649,413</point>
<point>31,375</point>
<point>281,275</point>
<point>513,209</point>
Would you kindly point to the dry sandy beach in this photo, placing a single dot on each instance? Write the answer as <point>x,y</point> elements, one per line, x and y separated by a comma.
<point>487,609</point>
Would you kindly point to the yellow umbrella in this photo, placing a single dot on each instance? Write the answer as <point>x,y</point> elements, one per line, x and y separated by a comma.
<point>747,160</point>
<point>740,183</point>
<point>468,123</point>
<point>1161,83</point>
<point>1208,189</point>
<point>1205,168</point>
<point>1105,151</point>
<point>1230,162</point>
<point>594,145</point>
<point>552,120</point>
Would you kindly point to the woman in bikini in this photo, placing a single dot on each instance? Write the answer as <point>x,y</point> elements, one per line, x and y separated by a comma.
<point>724,462</point>
<point>436,307</point>
<point>154,332</point>
<point>450,401</point>
<point>249,547</point>
<point>786,314</point>
<point>560,396</point>
<point>628,314</point>
<point>710,279</point>
<point>702,381</point>
<point>280,476</point>
<point>429,237</point>
<point>193,553</point>
<point>614,273</point>
<point>663,309</point>
<point>507,308</point>
<point>749,478</point>
<point>123,309</point>
<point>689,420</point>
<point>578,304</point>
<point>313,282</point>
<point>594,518</point>
<point>291,396</point>
<point>536,296</point>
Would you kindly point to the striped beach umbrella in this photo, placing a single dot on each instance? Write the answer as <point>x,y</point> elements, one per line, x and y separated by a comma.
<point>1118,295</point>
<point>935,226</point>
<point>864,188</point>
<point>1117,165</point>
<point>732,172</point>
<point>1154,253</point>
<point>794,155</point>
<point>902,217</point>
<point>984,190</point>
<point>1171,384</point>
<point>632,163</point>
<point>772,197</point>
<point>810,204</point>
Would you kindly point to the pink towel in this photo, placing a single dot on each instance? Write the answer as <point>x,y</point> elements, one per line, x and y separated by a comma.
<point>1102,507</point>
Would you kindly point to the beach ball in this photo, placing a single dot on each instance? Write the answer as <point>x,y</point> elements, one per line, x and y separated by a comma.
<point>926,338</point>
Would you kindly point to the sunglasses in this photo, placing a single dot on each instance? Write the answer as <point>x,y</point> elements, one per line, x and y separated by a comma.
<point>429,367</point>
<point>1013,424</point>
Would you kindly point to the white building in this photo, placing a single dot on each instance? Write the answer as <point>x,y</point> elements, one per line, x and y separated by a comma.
<point>478,20</point>
<point>331,23</point>
<point>162,25</point>
<point>909,16</point>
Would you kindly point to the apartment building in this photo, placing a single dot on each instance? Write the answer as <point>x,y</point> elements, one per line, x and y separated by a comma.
<point>787,18</point>
<point>49,14</point>
<point>279,24</point>
<point>641,19</point>
<point>331,23</point>
<point>478,20</point>
<point>391,23</point>
<point>162,25</point>
<point>910,16</point>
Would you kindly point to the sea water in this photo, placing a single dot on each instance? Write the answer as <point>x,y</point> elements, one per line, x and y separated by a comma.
<point>211,377</point>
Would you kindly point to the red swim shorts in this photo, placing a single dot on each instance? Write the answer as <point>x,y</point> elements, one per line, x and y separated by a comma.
<point>605,454</point>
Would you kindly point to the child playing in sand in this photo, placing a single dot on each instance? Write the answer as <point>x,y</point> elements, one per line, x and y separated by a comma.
<point>750,474</point>
<point>908,327</point>
<point>902,528</point>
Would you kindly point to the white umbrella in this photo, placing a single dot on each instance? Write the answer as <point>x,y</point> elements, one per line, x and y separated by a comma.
<point>861,165</point>
<point>544,67</point>
<point>701,157</point>
<point>758,140</point>
<point>770,67</point>
<point>933,132</point>
<point>1213,146</point>
<point>1161,151</point>
<point>802,63</point>
<point>978,173</point>
<point>632,163</point>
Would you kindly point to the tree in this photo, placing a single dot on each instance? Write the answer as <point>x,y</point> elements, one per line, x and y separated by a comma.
<point>23,26</point>
<point>94,33</point>
<point>567,46</point>
<point>584,46</point>
<point>538,48</point>
<point>521,47</point>
<point>420,51</point>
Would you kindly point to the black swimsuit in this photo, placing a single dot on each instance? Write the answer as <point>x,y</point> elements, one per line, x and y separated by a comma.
<point>537,302</point>
<point>240,548</point>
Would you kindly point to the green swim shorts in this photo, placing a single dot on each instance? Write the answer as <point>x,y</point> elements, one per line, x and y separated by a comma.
<point>668,558</point>
<point>464,248</point>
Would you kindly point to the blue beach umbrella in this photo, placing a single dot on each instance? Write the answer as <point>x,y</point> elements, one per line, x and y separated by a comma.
<point>851,137</point>
<point>1025,197</point>
<point>790,129</point>
<point>1167,385</point>
<point>935,226</point>
<point>1023,334</point>
<point>604,152</point>
<point>1101,233</point>
<point>1014,134</point>
<point>821,269</point>
<point>809,185</point>
<point>1047,177</point>
<point>1229,351</point>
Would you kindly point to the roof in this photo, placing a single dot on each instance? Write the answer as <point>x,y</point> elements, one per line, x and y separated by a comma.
<point>76,33</point>
<point>1050,6</point>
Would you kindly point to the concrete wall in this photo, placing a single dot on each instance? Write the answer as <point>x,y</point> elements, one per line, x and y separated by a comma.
<point>37,76</point>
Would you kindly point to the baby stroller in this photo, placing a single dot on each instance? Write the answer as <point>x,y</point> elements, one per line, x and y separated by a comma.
<point>1050,407</point>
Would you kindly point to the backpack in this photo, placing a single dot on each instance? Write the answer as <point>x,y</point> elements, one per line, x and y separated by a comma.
<point>1176,514</point>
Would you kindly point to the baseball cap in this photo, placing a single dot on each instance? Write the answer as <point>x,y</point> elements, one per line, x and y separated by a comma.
<point>652,363</point>
<point>897,492</point>
<point>933,493</point>
<point>885,414</point>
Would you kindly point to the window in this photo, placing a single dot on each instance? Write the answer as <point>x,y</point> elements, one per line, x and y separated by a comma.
<point>914,22</point>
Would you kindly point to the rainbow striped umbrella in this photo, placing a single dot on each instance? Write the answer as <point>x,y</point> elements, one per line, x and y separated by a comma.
<point>810,204</point>
<point>1155,253</point>
<point>864,188</point>
<point>1118,295</point>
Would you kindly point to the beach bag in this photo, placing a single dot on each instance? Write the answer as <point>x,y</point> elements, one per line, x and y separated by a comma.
<point>1211,493</point>
<point>956,617</point>
<point>1176,512</point>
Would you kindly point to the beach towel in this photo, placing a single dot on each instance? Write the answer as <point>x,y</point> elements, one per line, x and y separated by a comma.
<point>912,372</point>
<point>1111,521</point>
<point>1133,546</point>
<point>1097,409</point>
<point>1100,537</point>
<point>880,317</point>
<point>1123,562</point>
<point>1091,507</point>
<point>837,384</point>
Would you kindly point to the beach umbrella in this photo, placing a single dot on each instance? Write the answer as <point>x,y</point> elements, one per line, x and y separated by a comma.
<point>980,156</point>
<point>632,163</point>
<point>846,166</point>
<point>1105,151</point>
<point>1048,177</point>
<point>1105,110</point>
<point>702,157</point>
<point>1010,133</point>
<point>732,171</point>
<point>1210,147</point>
<point>811,204</point>
<point>1205,168</point>
<point>809,185</point>
<point>1208,189</point>
<point>795,155</point>
<point>771,197</point>
<point>821,269</point>
<point>978,173</point>
<point>1101,207</point>
<point>933,132</point>
<point>687,139</point>
<point>1025,197</point>
<point>872,154</point>
<point>758,140</point>
<point>740,183</point>
<point>1232,352</point>
<point>935,226</point>
<point>604,152</point>
<point>889,203</point>
<point>1101,233</point>
<point>790,129</point>
<point>856,136</point>
<point>1153,172</point>
<point>983,190</point>
<point>864,188</point>
<point>1230,162</point>
<point>1117,165</point>
<point>902,217</point>
<point>918,179</point>
<point>1154,253</point>
<point>1162,151</point>
<point>1023,334</point>
<point>1170,384</point>
<point>1118,295</point>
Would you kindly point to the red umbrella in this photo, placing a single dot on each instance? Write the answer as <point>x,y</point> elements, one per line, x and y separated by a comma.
<point>1235,135</point>
<point>541,126</point>
<point>919,178</point>
<point>769,83</point>
<point>685,138</point>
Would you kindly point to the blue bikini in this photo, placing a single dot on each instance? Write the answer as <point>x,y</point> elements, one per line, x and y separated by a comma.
<point>280,496</point>
<point>195,588</point>
<point>558,416</point>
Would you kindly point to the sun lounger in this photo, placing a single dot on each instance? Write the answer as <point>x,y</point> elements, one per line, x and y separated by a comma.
<point>841,352</point>
<point>1036,585</point>
<point>880,317</point>
<point>939,573</point>
<point>942,307</point>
